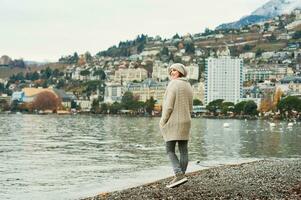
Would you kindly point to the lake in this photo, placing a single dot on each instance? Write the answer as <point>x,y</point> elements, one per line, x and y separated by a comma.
<point>70,157</point>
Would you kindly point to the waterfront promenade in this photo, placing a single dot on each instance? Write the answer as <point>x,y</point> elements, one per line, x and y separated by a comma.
<point>264,179</point>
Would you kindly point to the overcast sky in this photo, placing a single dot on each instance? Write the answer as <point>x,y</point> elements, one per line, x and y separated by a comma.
<point>48,29</point>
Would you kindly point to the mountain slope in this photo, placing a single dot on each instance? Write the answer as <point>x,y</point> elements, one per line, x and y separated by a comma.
<point>269,10</point>
<point>251,19</point>
<point>274,8</point>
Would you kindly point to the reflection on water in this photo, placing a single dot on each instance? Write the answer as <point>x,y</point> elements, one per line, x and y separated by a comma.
<point>66,156</point>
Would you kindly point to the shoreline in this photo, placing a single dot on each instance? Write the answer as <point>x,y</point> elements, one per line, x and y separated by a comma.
<point>263,179</point>
<point>245,117</point>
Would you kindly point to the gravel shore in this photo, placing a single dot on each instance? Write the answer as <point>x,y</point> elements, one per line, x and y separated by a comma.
<point>265,179</point>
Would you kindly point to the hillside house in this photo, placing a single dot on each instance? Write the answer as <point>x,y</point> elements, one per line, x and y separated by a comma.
<point>147,89</point>
<point>258,74</point>
<point>247,55</point>
<point>199,91</point>
<point>113,92</point>
<point>66,97</point>
<point>290,85</point>
<point>160,71</point>
<point>193,71</point>
<point>130,74</point>
<point>28,95</point>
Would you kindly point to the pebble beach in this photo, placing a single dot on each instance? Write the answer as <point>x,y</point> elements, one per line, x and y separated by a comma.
<point>264,179</point>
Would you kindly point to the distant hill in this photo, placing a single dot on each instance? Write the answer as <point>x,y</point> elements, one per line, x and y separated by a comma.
<point>29,62</point>
<point>6,72</point>
<point>251,19</point>
<point>269,10</point>
<point>274,8</point>
<point>6,61</point>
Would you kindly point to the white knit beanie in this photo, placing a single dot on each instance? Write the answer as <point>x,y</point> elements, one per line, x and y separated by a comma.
<point>179,67</point>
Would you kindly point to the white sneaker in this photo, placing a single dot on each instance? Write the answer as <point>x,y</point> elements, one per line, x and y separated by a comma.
<point>178,180</point>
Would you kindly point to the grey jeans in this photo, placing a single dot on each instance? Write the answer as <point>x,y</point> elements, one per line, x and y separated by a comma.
<point>179,166</point>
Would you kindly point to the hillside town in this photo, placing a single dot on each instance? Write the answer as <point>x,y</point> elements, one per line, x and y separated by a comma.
<point>258,63</point>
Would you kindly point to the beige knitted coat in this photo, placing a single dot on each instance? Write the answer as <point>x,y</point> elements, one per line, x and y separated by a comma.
<point>176,111</point>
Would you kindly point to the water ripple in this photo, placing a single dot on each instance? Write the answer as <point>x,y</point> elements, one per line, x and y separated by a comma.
<point>59,155</point>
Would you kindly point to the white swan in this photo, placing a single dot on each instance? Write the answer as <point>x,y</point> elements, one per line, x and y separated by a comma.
<point>226,125</point>
<point>272,124</point>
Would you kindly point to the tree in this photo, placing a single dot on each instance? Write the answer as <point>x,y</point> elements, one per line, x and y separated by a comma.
<point>85,73</point>
<point>298,59</point>
<point>4,106</point>
<point>128,101</point>
<point>149,105</point>
<point>176,36</point>
<point>277,98</point>
<point>164,51</point>
<point>177,59</point>
<point>93,86</point>
<point>259,52</point>
<point>235,51</point>
<point>46,101</point>
<point>141,38</point>
<point>56,73</point>
<point>100,73</point>
<point>289,104</point>
<point>139,106</point>
<point>73,104</point>
<point>104,108</point>
<point>197,102</point>
<point>2,88</point>
<point>189,48</point>
<point>250,108</point>
<point>70,59</point>
<point>266,105</point>
<point>266,26</point>
<point>115,108</point>
<point>74,58</point>
<point>95,106</point>
<point>88,57</point>
<point>207,32</point>
<point>227,107</point>
<point>60,84</point>
<point>82,60</point>
<point>47,73</point>
<point>18,77</point>
<point>45,84</point>
<point>140,48</point>
<point>35,76</point>
<point>14,105</point>
<point>239,107</point>
<point>297,35</point>
<point>247,47</point>
<point>215,105</point>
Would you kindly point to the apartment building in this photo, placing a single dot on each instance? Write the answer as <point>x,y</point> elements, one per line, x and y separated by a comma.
<point>223,79</point>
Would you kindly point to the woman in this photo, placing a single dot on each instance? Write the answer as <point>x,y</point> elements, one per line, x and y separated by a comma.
<point>176,119</point>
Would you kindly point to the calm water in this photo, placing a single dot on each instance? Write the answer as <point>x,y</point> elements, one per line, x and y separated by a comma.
<point>69,157</point>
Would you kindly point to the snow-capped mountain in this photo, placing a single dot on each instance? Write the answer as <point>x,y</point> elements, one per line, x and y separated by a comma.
<point>269,10</point>
<point>274,8</point>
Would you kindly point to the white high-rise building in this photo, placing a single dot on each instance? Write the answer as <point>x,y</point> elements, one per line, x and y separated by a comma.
<point>224,79</point>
